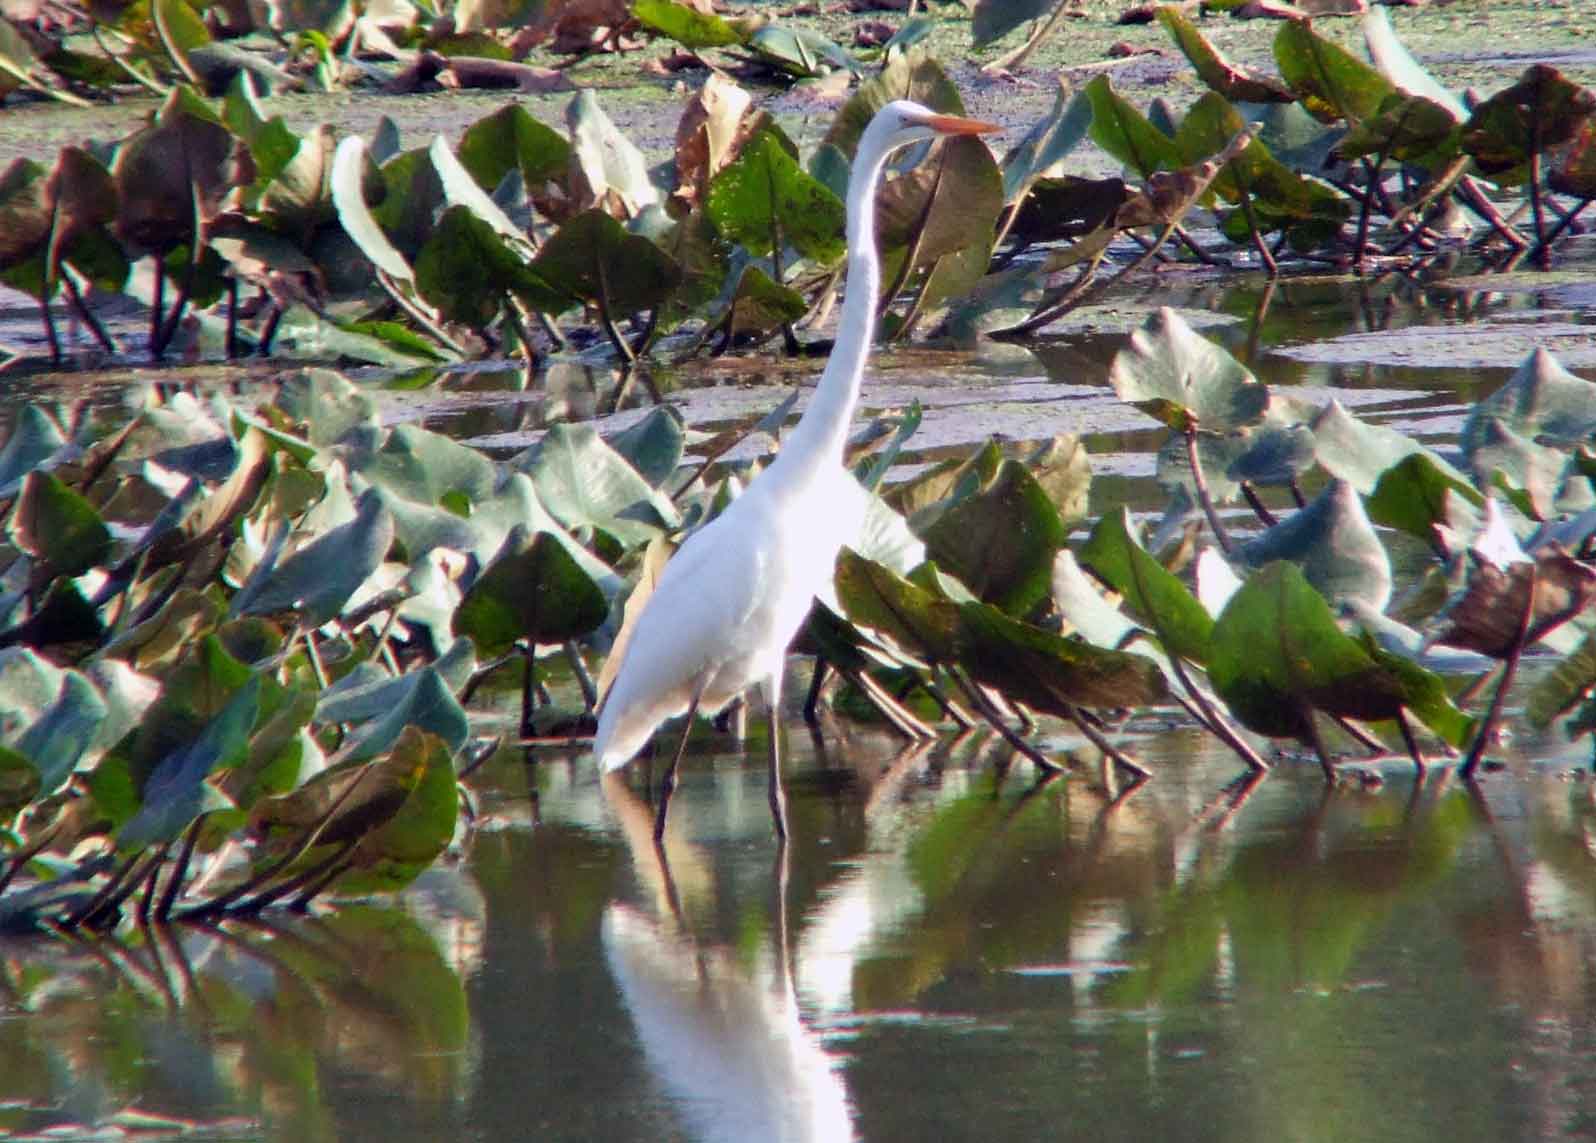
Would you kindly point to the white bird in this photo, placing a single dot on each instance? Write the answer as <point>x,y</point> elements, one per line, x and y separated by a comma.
<point>730,601</point>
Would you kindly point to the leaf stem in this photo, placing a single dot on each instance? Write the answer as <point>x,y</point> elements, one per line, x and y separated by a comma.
<point>1200,483</point>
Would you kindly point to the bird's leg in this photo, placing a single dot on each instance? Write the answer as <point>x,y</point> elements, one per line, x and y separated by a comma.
<point>668,783</point>
<point>778,796</point>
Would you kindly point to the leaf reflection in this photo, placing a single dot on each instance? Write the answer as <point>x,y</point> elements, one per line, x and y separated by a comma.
<point>235,1029</point>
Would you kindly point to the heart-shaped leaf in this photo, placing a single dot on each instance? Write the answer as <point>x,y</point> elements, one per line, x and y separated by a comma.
<point>1155,596</point>
<point>1277,656</point>
<point>765,197</point>
<point>532,590</point>
<point>1335,546</point>
<point>1171,372</point>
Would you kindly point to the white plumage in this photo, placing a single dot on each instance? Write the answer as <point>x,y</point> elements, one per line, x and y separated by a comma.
<point>730,601</point>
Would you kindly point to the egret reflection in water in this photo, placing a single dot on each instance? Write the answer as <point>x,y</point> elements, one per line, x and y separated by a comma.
<point>722,1034</point>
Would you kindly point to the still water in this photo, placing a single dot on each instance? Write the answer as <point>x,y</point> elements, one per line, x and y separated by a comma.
<point>958,954</point>
<point>947,950</point>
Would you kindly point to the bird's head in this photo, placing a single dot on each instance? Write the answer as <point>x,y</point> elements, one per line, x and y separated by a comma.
<point>903,121</point>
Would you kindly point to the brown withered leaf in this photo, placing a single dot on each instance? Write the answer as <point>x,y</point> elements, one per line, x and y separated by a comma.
<point>185,163</point>
<point>872,33</point>
<point>1124,50</point>
<point>711,132</point>
<point>1067,208</point>
<point>1267,10</point>
<point>477,72</point>
<point>1166,196</point>
<point>1487,616</point>
<point>574,26</point>
<point>672,62</point>
<point>1575,172</point>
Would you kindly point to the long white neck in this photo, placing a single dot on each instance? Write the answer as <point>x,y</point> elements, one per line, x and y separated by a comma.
<point>823,430</point>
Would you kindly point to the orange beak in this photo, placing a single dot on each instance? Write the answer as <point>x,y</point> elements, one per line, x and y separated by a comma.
<point>954,125</point>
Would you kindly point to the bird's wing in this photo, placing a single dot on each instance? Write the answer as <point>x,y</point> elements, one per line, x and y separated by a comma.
<point>700,619</point>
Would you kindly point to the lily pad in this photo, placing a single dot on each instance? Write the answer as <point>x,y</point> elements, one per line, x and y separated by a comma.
<point>57,526</point>
<point>1235,83</point>
<point>607,169</point>
<point>511,139</point>
<point>1334,544</point>
<point>1278,656</point>
<point>532,590</point>
<point>687,26</point>
<point>1330,81</point>
<point>1124,132</point>
<point>318,579</point>
<point>1544,109</point>
<point>1000,540</point>
<point>1050,673</point>
<point>1173,373</point>
<point>765,198</point>
<point>1154,595</point>
<point>587,484</point>
<point>592,258</point>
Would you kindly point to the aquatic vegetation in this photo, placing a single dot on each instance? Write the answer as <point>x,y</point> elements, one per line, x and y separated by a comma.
<point>241,235</point>
<point>242,644</point>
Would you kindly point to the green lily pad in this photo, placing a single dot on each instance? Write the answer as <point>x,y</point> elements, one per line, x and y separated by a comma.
<point>1001,539</point>
<point>1047,144</point>
<point>765,196</point>
<point>428,467</point>
<point>759,306</point>
<point>1277,656</point>
<point>1330,81</point>
<point>876,597</point>
<point>592,258</point>
<point>993,19</point>
<point>35,437</point>
<point>654,445</point>
<point>318,579</point>
<point>348,195</point>
<point>585,483</point>
<point>468,272</point>
<point>1335,546</point>
<point>687,26</point>
<point>511,139</point>
<point>1415,494</point>
<point>176,792</point>
<point>532,590</point>
<point>397,851</point>
<point>1124,132</point>
<point>914,75</point>
<point>1278,197</point>
<point>1360,453</point>
<point>1173,373</point>
<point>1408,128</point>
<point>800,52</point>
<point>380,711</point>
<point>57,526</point>
<point>1050,673</point>
<point>1541,401</point>
<point>58,740</point>
<point>1154,595</point>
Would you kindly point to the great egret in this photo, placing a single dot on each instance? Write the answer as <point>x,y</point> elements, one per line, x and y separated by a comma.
<point>730,601</point>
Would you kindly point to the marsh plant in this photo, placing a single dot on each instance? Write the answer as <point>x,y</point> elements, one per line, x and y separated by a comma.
<point>240,235</point>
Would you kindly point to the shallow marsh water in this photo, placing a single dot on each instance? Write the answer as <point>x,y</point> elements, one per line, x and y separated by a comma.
<point>950,950</point>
